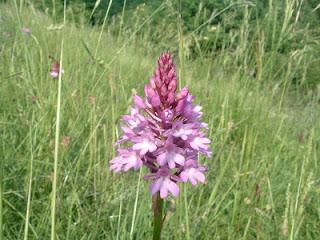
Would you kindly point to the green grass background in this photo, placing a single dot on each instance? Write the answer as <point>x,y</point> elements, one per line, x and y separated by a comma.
<point>259,87</point>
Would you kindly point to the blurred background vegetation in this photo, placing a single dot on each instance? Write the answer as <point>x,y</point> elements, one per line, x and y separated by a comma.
<point>212,26</point>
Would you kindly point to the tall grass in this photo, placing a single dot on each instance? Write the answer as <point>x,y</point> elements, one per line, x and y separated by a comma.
<point>57,136</point>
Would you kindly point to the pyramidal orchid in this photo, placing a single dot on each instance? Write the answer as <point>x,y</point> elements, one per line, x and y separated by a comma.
<point>164,133</point>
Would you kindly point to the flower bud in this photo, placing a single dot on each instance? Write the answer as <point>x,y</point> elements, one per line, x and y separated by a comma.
<point>183,93</point>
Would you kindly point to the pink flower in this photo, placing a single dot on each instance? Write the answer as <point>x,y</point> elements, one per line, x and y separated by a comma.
<point>164,133</point>
<point>193,174</point>
<point>55,68</point>
<point>26,30</point>
<point>183,131</point>
<point>65,141</point>
<point>164,182</point>
<point>125,161</point>
<point>170,155</point>
<point>201,144</point>
<point>144,144</point>
<point>164,185</point>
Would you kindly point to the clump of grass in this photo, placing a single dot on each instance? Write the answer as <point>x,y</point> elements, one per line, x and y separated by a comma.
<point>263,180</point>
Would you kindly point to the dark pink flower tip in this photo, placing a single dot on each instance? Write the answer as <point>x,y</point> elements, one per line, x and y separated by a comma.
<point>163,83</point>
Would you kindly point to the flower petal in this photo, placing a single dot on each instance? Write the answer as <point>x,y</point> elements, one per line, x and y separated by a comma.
<point>184,176</point>
<point>178,158</point>
<point>155,186</point>
<point>200,176</point>
<point>163,190</point>
<point>171,163</point>
<point>161,159</point>
<point>173,188</point>
<point>138,101</point>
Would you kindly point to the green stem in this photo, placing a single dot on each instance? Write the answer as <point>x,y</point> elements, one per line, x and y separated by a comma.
<point>157,205</point>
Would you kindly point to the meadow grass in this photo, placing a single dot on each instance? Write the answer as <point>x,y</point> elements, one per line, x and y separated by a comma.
<point>57,135</point>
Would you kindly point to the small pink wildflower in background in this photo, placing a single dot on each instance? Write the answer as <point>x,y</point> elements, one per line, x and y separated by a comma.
<point>55,68</point>
<point>164,133</point>
<point>33,99</point>
<point>65,141</point>
<point>26,30</point>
